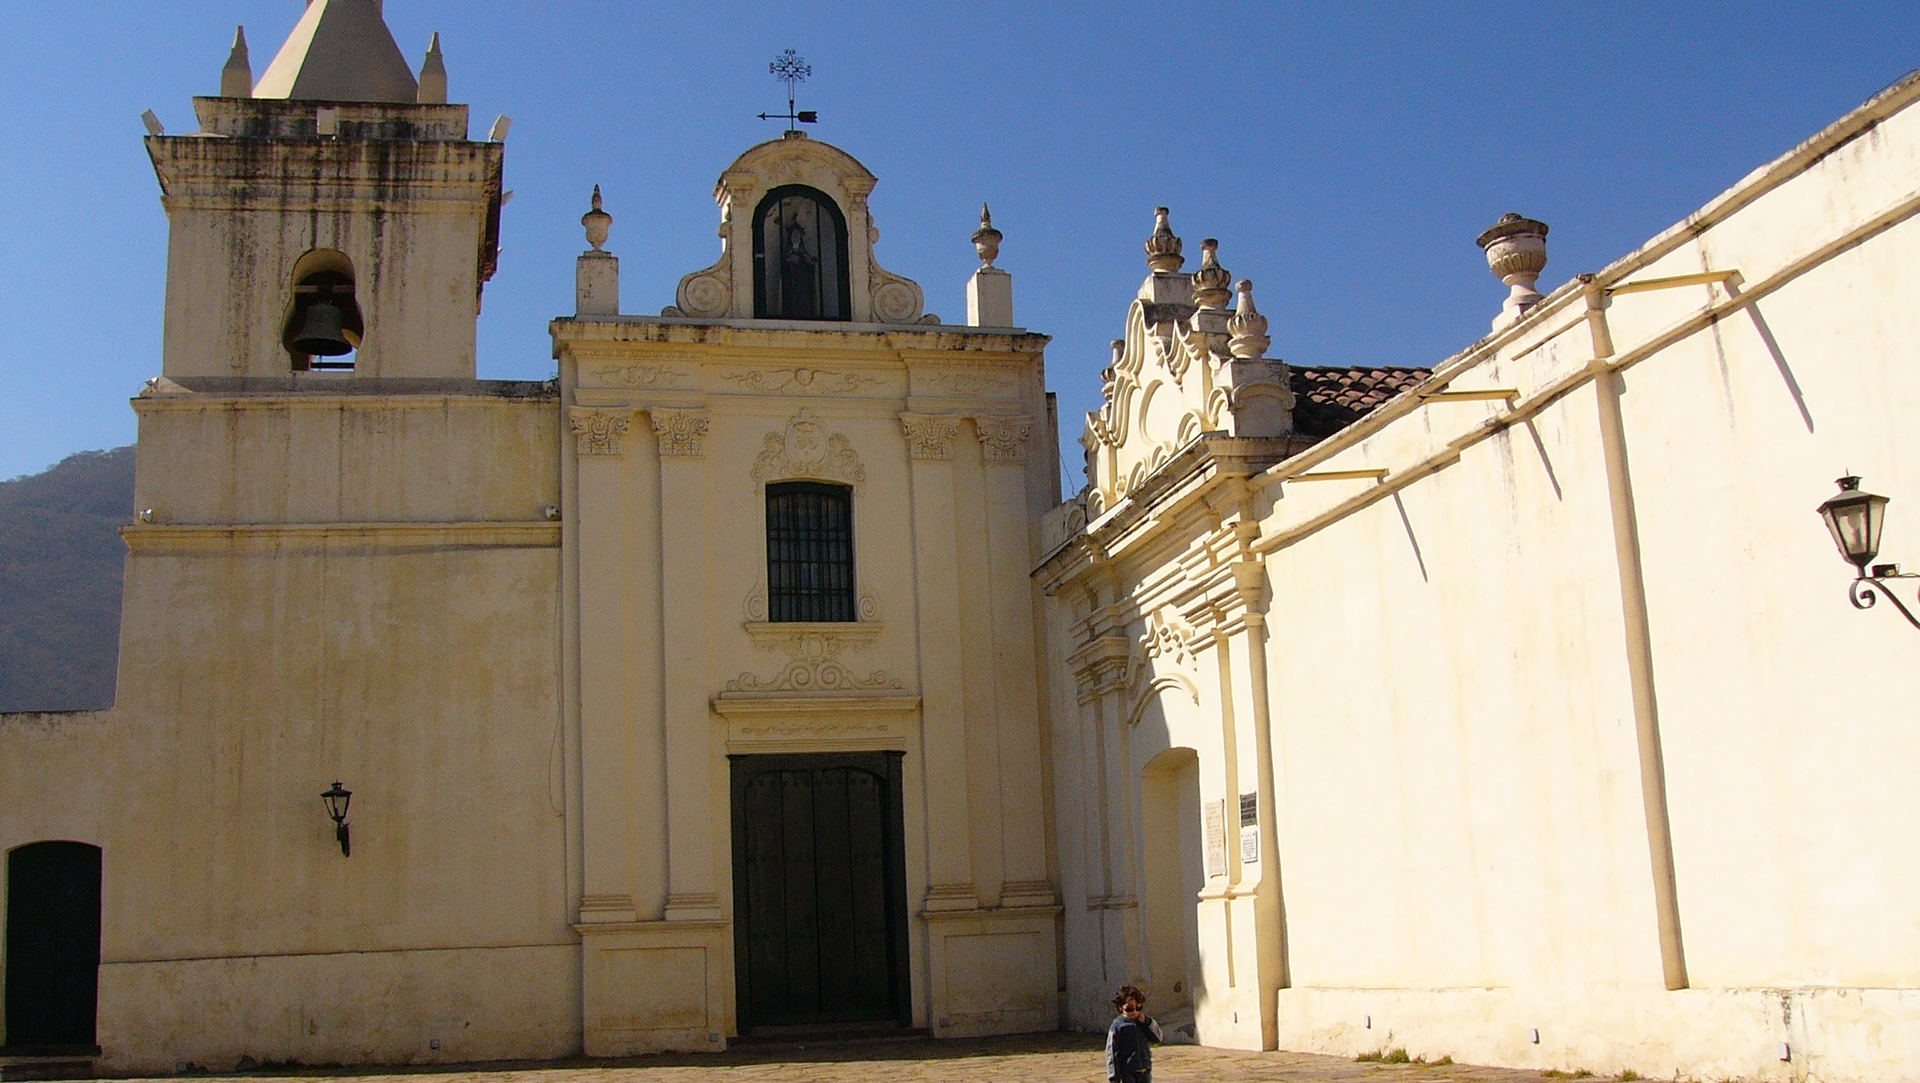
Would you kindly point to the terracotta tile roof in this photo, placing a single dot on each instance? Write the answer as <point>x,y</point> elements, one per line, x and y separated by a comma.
<point>1330,399</point>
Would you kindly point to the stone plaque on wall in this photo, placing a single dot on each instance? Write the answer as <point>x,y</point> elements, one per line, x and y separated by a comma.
<point>1217,837</point>
<point>1249,828</point>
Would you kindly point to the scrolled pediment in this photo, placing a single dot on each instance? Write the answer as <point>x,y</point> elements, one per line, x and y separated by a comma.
<point>725,289</point>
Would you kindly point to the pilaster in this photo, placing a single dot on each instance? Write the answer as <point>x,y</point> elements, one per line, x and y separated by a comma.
<point>929,439</point>
<point>1003,444</point>
<point>1256,907</point>
<point>692,893</point>
<point>1099,670</point>
<point>610,755</point>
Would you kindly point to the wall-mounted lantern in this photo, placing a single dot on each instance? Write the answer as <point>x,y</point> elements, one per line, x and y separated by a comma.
<point>1855,519</point>
<point>337,800</point>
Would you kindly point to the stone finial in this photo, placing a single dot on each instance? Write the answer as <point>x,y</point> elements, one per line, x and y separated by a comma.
<point>1108,375</point>
<point>598,222</point>
<point>986,239</point>
<point>236,79</point>
<point>1211,283</point>
<point>1248,327</point>
<point>433,75</point>
<point>1516,254</point>
<point>1163,248</point>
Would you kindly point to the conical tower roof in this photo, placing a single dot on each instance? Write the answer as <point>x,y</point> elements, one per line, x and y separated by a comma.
<point>341,50</point>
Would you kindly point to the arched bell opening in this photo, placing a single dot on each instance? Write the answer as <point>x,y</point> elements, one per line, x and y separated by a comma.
<point>800,257</point>
<point>52,947</point>
<point>1173,872</point>
<point>323,327</point>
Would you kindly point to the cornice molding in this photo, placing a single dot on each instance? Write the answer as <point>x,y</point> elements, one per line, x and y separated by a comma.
<point>151,538</point>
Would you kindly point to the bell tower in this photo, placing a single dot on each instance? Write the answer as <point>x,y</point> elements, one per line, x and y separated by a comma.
<point>333,218</point>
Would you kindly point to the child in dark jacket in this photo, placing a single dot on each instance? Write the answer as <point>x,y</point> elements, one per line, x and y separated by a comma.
<point>1130,1039</point>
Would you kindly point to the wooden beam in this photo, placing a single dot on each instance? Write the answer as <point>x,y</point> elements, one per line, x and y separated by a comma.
<point>1485,394</point>
<point>1701,279</point>
<point>1341,475</point>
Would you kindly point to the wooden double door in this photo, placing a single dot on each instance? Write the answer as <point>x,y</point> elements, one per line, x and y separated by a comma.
<point>819,890</point>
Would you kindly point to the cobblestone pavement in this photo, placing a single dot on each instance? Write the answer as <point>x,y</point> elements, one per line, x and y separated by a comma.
<point>1042,1058</point>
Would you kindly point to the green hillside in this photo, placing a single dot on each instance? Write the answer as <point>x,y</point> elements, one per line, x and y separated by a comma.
<point>61,561</point>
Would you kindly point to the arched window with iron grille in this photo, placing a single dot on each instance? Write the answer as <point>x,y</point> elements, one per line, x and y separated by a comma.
<point>800,257</point>
<point>809,552</point>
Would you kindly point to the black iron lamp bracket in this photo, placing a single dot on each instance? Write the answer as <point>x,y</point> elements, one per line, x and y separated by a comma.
<point>1867,590</point>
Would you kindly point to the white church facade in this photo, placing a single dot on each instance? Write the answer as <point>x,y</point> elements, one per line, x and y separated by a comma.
<point>754,676</point>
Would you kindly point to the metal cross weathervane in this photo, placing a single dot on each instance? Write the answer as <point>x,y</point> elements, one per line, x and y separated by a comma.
<point>790,68</point>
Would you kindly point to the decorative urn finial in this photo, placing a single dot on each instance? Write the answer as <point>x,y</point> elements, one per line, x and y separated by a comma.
<point>1248,327</point>
<point>986,239</point>
<point>598,222</point>
<point>1212,285</point>
<point>1516,254</point>
<point>1163,248</point>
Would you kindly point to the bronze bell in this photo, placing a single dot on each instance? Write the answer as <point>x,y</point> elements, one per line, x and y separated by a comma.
<point>320,333</point>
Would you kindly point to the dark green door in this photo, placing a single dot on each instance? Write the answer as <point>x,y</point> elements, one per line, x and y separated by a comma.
<point>53,944</point>
<point>819,889</point>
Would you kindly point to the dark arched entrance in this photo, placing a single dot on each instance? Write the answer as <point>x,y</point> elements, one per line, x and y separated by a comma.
<point>53,945</point>
<point>819,890</point>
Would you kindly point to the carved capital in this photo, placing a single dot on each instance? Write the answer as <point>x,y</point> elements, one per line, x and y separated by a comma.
<point>598,432</point>
<point>930,436</point>
<point>681,432</point>
<point>1004,439</point>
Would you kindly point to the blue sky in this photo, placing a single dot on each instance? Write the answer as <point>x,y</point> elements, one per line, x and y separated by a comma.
<point>1346,155</point>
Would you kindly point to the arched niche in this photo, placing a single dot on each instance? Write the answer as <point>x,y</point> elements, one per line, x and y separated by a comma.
<point>322,278</point>
<point>800,257</point>
<point>1173,872</point>
<point>727,289</point>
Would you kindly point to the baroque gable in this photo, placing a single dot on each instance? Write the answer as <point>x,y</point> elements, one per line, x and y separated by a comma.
<point>1188,366</point>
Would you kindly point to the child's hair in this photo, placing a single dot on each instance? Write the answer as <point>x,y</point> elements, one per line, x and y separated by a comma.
<point>1128,994</point>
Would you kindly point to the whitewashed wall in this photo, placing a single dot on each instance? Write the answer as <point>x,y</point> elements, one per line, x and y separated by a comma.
<point>1472,805</point>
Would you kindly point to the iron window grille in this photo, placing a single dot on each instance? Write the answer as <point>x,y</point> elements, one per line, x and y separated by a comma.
<point>809,552</point>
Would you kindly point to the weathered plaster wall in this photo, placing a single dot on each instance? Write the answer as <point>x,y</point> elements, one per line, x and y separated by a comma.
<point>413,216</point>
<point>384,611</point>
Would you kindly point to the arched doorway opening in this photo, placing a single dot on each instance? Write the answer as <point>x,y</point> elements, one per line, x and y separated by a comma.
<point>53,945</point>
<point>1174,872</point>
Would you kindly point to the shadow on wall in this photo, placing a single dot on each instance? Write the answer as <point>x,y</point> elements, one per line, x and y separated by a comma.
<point>61,564</point>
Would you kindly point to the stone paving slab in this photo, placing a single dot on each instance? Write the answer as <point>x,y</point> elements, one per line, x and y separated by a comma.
<point>1038,1058</point>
